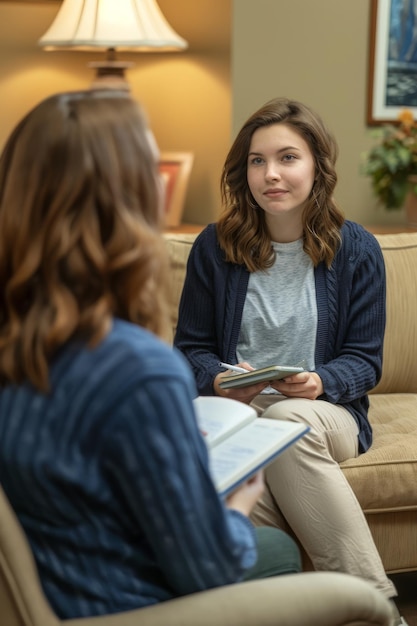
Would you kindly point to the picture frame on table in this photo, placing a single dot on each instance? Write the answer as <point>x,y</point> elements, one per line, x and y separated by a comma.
<point>175,169</point>
<point>392,67</point>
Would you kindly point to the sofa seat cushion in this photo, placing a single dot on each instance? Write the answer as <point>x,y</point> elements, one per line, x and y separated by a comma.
<point>385,477</point>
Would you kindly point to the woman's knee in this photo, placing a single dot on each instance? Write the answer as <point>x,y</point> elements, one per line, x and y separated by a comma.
<point>289,409</point>
<point>332,427</point>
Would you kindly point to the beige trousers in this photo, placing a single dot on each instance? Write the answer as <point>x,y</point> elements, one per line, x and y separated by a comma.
<point>307,490</point>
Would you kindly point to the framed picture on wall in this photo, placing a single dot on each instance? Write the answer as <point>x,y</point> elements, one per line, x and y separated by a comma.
<point>392,81</point>
<point>175,169</point>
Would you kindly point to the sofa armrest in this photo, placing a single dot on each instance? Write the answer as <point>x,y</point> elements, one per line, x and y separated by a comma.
<point>308,599</point>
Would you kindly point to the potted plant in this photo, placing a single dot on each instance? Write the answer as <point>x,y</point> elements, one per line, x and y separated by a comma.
<point>391,163</point>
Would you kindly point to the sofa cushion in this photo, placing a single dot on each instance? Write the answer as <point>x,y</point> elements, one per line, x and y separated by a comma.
<point>385,477</point>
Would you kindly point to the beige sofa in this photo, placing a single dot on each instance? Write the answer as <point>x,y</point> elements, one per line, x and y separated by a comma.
<point>385,478</point>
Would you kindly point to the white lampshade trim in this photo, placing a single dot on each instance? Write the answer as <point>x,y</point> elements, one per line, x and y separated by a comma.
<point>121,24</point>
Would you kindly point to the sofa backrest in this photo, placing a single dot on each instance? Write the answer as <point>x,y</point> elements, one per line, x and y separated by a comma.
<point>179,246</point>
<point>399,372</point>
<point>400,347</point>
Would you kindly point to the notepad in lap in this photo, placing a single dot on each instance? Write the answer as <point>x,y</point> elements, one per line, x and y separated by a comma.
<point>264,374</point>
<point>240,443</point>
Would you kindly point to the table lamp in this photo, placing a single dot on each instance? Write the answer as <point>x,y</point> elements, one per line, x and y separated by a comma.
<point>111,25</point>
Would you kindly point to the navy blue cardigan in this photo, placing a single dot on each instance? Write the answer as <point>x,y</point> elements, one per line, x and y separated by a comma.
<point>351,318</point>
<point>109,477</point>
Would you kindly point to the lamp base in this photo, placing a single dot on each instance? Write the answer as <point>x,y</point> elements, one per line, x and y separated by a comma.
<point>110,74</point>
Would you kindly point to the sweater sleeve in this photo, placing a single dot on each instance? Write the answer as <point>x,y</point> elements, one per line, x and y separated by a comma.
<point>158,463</point>
<point>205,320</point>
<point>356,321</point>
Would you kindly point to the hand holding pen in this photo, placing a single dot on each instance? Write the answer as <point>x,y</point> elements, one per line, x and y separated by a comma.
<point>234,368</point>
<point>243,394</point>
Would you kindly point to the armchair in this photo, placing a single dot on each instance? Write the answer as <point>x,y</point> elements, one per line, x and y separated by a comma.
<point>309,599</point>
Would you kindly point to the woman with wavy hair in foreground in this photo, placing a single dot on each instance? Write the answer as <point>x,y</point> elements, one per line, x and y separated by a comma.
<point>100,454</point>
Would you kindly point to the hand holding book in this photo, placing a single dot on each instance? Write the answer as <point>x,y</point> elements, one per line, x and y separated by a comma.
<point>247,494</point>
<point>240,443</point>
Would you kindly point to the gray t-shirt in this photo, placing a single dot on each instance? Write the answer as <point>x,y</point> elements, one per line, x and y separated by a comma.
<point>279,321</point>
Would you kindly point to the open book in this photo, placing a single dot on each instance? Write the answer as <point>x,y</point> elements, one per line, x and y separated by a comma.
<point>240,443</point>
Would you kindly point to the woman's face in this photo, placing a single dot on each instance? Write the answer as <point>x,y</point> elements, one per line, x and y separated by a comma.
<point>280,170</point>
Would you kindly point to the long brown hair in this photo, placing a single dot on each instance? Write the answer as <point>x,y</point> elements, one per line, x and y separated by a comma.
<point>242,230</point>
<point>80,227</point>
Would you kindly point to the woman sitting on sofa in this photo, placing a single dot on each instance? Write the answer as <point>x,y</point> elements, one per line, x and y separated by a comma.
<point>282,278</point>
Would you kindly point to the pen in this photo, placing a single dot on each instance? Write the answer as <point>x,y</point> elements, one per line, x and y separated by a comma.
<point>234,368</point>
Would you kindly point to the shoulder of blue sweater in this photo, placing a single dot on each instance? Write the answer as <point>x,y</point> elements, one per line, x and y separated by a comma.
<point>133,339</point>
<point>122,330</point>
<point>354,229</point>
<point>209,232</point>
<point>131,348</point>
<point>207,243</point>
<point>357,235</point>
<point>359,247</point>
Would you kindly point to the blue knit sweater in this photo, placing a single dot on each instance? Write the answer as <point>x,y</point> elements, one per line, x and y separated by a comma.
<point>351,318</point>
<point>108,474</point>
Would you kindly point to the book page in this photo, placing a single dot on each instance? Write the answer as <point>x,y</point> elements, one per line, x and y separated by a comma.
<point>219,417</point>
<point>250,448</point>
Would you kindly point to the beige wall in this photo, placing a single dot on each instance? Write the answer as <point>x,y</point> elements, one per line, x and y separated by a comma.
<point>312,50</point>
<point>315,51</point>
<point>187,95</point>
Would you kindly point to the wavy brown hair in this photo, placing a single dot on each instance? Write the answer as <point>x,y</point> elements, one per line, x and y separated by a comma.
<point>80,224</point>
<point>242,229</point>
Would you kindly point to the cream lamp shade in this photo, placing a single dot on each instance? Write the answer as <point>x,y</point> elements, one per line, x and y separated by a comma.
<point>110,25</point>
